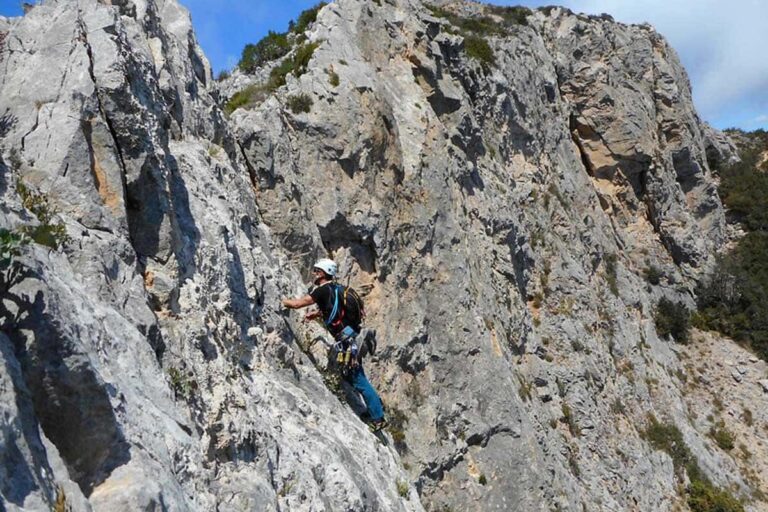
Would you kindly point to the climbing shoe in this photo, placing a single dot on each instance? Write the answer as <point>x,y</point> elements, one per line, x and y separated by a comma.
<point>378,425</point>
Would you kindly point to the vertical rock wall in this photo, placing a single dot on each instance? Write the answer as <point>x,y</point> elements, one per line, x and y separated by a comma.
<point>501,219</point>
<point>498,220</point>
<point>146,365</point>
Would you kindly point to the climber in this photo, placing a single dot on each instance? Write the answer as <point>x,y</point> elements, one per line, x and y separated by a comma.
<point>344,329</point>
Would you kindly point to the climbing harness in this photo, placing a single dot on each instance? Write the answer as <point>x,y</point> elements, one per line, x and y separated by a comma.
<point>346,350</point>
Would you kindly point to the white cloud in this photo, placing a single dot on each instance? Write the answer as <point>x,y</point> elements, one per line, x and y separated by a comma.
<point>721,44</point>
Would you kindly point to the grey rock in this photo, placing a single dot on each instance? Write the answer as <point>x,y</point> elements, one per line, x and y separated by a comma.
<point>161,372</point>
<point>25,471</point>
<point>764,384</point>
<point>496,219</point>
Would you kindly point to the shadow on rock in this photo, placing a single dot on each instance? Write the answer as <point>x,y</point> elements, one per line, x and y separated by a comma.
<point>70,399</point>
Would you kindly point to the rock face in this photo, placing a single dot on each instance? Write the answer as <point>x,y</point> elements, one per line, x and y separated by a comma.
<point>499,220</point>
<point>148,355</point>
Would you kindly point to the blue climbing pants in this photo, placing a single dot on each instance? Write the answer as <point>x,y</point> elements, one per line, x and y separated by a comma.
<point>363,386</point>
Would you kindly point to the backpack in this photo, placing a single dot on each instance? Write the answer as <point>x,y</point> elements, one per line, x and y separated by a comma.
<point>348,308</point>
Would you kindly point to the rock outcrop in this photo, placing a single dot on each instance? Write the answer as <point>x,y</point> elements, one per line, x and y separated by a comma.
<point>499,219</point>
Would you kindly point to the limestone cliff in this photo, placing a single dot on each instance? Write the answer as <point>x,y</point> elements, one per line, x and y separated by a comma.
<point>499,217</point>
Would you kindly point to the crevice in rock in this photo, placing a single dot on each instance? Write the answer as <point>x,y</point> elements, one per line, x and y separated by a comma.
<point>89,51</point>
<point>573,128</point>
<point>152,333</point>
<point>482,438</point>
<point>435,471</point>
<point>153,26</point>
<point>4,172</point>
<point>31,130</point>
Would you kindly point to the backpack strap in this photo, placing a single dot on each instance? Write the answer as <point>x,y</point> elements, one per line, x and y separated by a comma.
<point>337,313</point>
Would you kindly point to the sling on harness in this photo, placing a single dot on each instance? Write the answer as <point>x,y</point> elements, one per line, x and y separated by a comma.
<point>347,314</point>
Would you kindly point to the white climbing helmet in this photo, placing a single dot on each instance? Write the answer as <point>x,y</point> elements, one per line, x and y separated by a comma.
<point>327,266</point>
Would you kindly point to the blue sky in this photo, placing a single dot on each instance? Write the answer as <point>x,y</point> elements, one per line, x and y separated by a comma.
<point>721,46</point>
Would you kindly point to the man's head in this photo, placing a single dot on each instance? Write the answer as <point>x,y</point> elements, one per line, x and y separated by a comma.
<point>324,269</point>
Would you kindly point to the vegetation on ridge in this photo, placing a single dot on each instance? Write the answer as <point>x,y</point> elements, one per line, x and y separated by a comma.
<point>271,47</point>
<point>277,44</point>
<point>474,29</point>
<point>253,94</point>
<point>734,299</point>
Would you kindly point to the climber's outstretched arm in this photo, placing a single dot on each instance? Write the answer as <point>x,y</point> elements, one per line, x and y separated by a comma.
<point>300,302</point>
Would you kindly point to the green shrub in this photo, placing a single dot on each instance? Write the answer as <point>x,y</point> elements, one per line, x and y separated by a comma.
<point>514,15</point>
<point>672,318</point>
<point>333,78</point>
<point>569,420</point>
<point>547,9</point>
<point>478,48</point>
<point>47,233</point>
<point>272,46</point>
<point>439,12</point>
<point>703,497</point>
<point>246,98</point>
<point>511,16</point>
<point>723,437</point>
<point>11,243</point>
<point>306,18</point>
<point>480,25</point>
<point>11,271</point>
<point>223,75</point>
<point>667,437</point>
<point>183,385</point>
<point>474,29</point>
<point>299,103</point>
<point>277,44</point>
<point>302,57</point>
<point>396,428</point>
<point>297,64</point>
<point>402,488</point>
<point>482,480</point>
<point>653,274</point>
<point>278,74</point>
<point>733,300</point>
